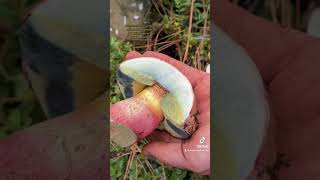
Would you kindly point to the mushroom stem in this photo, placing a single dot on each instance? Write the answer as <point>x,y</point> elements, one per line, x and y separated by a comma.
<point>141,113</point>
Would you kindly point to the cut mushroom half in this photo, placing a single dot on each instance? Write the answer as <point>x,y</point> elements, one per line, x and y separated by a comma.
<point>154,91</point>
<point>313,28</point>
<point>208,69</point>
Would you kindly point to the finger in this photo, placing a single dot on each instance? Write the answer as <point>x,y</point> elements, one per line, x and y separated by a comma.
<point>167,153</point>
<point>194,75</point>
<point>264,41</point>
<point>204,118</point>
<point>162,136</point>
<point>202,94</point>
<point>132,55</point>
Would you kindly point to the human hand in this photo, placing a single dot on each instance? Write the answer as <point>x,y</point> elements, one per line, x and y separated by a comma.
<point>173,151</point>
<point>289,63</point>
<point>71,146</point>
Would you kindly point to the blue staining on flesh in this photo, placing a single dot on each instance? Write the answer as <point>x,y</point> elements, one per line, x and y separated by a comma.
<point>126,82</point>
<point>52,64</point>
<point>183,134</point>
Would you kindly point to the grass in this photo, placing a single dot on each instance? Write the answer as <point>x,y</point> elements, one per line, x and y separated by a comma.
<point>289,14</point>
<point>141,168</point>
<point>19,107</point>
<point>182,32</point>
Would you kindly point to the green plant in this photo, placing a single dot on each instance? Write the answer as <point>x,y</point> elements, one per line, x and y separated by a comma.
<point>19,107</point>
<point>184,32</point>
<point>118,51</point>
<point>171,38</point>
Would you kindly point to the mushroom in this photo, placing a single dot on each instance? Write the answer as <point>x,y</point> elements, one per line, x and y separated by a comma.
<point>155,92</point>
<point>313,27</point>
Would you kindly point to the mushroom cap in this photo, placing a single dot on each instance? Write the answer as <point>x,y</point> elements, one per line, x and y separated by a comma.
<point>240,113</point>
<point>208,69</point>
<point>176,105</point>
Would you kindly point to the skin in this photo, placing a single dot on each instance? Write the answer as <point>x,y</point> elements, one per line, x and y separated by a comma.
<point>72,146</point>
<point>170,150</point>
<point>289,62</point>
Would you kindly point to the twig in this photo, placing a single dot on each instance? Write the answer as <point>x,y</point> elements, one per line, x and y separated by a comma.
<point>149,45</point>
<point>197,54</point>
<point>283,13</point>
<point>167,42</point>
<point>168,36</point>
<point>126,154</point>
<point>189,32</point>
<point>179,51</point>
<point>273,11</point>
<point>163,172</point>
<point>298,13</point>
<point>165,10</point>
<point>128,164</point>
<point>157,8</point>
<point>134,149</point>
<point>167,46</point>
<point>289,14</point>
<point>150,167</point>
<point>136,169</point>
<point>156,39</point>
<point>144,169</point>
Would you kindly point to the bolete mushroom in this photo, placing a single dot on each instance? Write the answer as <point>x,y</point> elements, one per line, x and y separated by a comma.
<point>155,92</point>
<point>313,27</point>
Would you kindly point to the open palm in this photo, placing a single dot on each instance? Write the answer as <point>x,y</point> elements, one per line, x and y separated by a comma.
<point>194,153</point>
<point>289,63</point>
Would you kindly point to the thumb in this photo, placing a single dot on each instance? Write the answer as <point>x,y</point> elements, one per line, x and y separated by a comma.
<point>132,55</point>
<point>167,153</point>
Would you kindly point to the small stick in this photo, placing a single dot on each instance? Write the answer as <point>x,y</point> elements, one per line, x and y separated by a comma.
<point>298,13</point>
<point>141,164</point>
<point>156,39</point>
<point>136,169</point>
<point>128,166</point>
<point>170,35</point>
<point>115,158</point>
<point>197,56</point>
<point>163,7</point>
<point>179,51</point>
<point>134,149</point>
<point>273,11</point>
<point>166,46</point>
<point>150,167</point>
<point>158,44</point>
<point>157,8</point>
<point>189,32</point>
<point>283,13</point>
<point>163,171</point>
